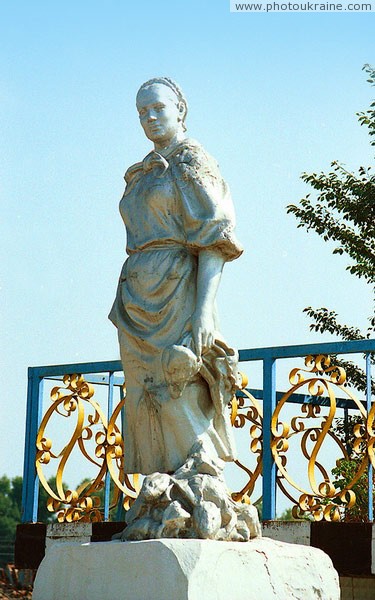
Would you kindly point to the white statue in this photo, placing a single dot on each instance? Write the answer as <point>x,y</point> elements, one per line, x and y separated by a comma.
<point>180,375</point>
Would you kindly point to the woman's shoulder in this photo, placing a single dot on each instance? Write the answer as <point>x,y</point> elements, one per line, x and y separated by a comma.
<point>191,157</point>
<point>133,171</point>
<point>189,150</point>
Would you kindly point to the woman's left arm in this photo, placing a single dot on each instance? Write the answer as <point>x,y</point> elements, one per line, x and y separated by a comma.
<point>210,267</point>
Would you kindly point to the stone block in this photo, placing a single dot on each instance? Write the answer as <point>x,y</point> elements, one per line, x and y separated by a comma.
<point>68,532</point>
<point>292,532</point>
<point>186,569</point>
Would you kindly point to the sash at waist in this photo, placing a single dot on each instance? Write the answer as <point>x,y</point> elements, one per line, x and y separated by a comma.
<point>161,246</point>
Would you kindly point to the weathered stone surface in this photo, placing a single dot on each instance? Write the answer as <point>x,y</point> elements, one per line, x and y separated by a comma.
<point>194,502</point>
<point>68,532</point>
<point>262,569</point>
<point>292,532</point>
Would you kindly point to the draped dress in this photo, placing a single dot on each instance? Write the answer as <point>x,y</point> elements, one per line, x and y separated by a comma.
<point>173,207</point>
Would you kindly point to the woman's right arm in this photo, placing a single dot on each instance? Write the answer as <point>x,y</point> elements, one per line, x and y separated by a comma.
<point>210,267</point>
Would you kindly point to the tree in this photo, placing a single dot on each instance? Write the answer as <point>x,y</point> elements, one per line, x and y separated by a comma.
<point>10,515</point>
<point>344,212</point>
<point>286,515</point>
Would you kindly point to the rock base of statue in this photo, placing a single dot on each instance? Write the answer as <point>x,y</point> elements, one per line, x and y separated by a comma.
<point>194,502</point>
<point>176,569</point>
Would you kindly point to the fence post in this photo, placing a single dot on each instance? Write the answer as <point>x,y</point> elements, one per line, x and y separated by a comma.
<point>120,507</point>
<point>30,482</point>
<point>369,468</point>
<point>107,484</point>
<point>269,468</point>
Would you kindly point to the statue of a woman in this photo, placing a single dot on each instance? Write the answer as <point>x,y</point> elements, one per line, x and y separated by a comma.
<point>180,375</point>
<point>179,222</point>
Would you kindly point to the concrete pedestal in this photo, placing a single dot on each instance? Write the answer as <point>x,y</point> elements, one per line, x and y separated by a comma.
<point>173,569</point>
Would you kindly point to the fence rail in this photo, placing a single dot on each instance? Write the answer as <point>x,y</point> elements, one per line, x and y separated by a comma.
<point>316,386</point>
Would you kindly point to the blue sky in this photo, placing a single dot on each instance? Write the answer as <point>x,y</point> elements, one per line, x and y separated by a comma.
<point>270,96</point>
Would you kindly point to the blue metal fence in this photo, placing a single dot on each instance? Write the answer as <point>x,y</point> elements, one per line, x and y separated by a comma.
<point>105,373</point>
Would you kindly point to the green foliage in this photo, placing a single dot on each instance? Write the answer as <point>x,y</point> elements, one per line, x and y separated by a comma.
<point>10,506</point>
<point>287,515</point>
<point>344,431</point>
<point>346,469</point>
<point>344,474</point>
<point>44,515</point>
<point>10,512</point>
<point>344,212</point>
<point>368,118</point>
<point>259,506</point>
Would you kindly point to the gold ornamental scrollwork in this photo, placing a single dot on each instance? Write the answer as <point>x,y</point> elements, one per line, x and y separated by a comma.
<point>370,430</point>
<point>246,411</point>
<point>317,495</point>
<point>114,449</point>
<point>75,400</point>
<point>324,500</point>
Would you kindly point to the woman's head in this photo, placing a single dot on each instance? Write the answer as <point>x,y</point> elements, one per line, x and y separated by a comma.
<point>162,109</point>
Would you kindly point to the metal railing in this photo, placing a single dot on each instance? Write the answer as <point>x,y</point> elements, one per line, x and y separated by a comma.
<point>270,436</point>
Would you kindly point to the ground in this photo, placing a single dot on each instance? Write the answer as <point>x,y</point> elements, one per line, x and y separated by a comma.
<point>7,591</point>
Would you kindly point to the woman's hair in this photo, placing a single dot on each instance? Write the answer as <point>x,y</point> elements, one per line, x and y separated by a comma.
<point>174,87</point>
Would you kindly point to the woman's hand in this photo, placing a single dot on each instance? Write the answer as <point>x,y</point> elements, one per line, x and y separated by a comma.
<point>203,331</point>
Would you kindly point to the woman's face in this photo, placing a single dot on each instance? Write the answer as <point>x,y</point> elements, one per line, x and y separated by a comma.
<point>159,113</point>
